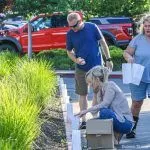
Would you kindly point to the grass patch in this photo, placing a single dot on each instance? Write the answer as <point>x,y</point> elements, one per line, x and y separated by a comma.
<point>7,63</point>
<point>24,91</point>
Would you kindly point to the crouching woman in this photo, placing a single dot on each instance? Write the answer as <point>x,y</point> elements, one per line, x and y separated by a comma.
<point>109,101</point>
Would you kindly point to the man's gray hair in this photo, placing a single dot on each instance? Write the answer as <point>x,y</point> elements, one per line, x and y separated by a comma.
<point>73,16</point>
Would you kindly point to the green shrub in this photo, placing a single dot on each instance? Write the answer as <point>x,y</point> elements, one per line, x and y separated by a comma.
<point>37,79</point>
<point>19,124</point>
<point>7,62</point>
<point>60,60</point>
<point>29,86</point>
<point>117,57</point>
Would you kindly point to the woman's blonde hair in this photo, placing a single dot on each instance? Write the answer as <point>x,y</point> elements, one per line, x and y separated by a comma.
<point>143,20</point>
<point>98,71</point>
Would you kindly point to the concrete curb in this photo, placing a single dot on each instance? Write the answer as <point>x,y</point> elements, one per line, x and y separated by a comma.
<point>70,73</point>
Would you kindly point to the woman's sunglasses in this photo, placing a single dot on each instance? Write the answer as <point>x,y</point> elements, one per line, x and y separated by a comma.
<point>74,26</point>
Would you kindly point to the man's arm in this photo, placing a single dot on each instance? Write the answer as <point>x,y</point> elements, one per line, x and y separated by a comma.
<point>106,52</point>
<point>78,60</point>
<point>71,55</point>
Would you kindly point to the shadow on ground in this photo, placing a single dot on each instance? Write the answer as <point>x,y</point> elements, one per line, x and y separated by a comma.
<point>142,140</point>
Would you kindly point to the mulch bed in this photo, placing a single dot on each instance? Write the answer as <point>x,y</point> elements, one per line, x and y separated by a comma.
<point>53,136</point>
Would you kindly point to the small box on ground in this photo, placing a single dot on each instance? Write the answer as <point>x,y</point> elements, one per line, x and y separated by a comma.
<point>99,133</point>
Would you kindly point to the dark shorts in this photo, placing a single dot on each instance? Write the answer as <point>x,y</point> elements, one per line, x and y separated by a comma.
<point>81,85</point>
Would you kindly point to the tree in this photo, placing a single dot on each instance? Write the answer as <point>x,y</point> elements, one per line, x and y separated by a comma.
<point>25,7</point>
<point>113,7</point>
<point>2,5</point>
<point>89,7</point>
<point>5,5</point>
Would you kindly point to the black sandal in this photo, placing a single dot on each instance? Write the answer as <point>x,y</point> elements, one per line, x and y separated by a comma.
<point>131,135</point>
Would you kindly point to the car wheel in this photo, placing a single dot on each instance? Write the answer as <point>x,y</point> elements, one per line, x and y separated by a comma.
<point>8,47</point>
<point>109,42</point>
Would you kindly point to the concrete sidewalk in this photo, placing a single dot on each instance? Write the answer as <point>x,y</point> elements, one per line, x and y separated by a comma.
<point>145,107</point>
<point>142,140</point>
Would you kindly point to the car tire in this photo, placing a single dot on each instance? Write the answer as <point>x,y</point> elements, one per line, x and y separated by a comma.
<point>8,47</point>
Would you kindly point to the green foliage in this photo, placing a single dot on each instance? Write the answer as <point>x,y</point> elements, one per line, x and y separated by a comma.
<point>122,8</point>
<point>107,7</point>
<point>7,62</point>
<point>58,59</point>
<point>26,7</point>
<point>117,57</point>
<point>3,3</point>
<point>30,86</point>
<point>89,7</point>
<point>37,79</point>
<point>19,117</point>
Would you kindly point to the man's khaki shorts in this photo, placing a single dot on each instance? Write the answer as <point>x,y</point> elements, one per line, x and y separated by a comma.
<point>81,85</point>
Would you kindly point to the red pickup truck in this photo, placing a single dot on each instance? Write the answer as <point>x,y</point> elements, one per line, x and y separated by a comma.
<point>117,31</point>
<point>49,32</point>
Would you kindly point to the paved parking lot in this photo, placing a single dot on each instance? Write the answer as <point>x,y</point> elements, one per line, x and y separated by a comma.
<point>142,140</point>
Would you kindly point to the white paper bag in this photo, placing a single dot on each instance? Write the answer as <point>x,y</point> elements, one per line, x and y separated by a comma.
<point>132,73</point>
<point>127,73</point>
<point>76,140</point>
<point>69,112</point>
<point>75,123</point>
<point>137,73</point>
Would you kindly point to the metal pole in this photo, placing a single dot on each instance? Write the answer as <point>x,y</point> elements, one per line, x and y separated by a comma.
<point>149,5</point>
<point>29,41</point>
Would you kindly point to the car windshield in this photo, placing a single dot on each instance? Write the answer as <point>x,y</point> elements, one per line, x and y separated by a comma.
<point>16,23</point>
<point>119,20</point>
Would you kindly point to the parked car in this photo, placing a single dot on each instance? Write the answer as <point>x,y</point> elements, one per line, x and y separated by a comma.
<point>7,25</point>
<point>15,18</point>
<point>48,32</point>
<point>117,31</point>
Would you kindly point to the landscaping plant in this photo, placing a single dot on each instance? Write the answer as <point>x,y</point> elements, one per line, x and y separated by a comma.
<point>38,79</point>
<point>60,60</point>
<point>7,62</point>
<point>23,92</point>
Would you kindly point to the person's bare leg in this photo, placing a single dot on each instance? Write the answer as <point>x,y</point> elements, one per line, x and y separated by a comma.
<point>83,104</point>
<point>135,109</point>
<point>118,137</point>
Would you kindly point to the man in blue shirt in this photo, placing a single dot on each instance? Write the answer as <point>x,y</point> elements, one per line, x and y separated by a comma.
<point>83,48</point>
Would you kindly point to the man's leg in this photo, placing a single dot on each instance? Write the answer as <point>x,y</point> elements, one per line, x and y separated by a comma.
<point>81,90</point>
<point>83,105</point>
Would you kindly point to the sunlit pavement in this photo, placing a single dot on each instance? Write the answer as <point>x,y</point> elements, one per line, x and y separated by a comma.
<point>142,140</point>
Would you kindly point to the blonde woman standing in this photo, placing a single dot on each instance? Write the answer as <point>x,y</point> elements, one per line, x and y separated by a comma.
<point>138,52</point>
<point>109,101</point>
